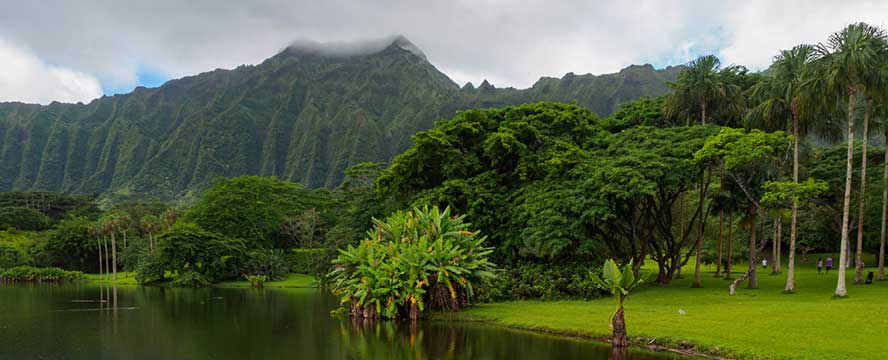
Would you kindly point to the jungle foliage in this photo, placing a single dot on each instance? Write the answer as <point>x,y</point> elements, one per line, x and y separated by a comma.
<point>410,262</point>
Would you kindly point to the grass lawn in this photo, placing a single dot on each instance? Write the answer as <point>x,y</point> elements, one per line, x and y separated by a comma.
<point>762,323</point>
<point>292,281</point>
<point>123,278</point>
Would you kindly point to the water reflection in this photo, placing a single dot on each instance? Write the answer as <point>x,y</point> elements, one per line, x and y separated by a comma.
<point>86,322</point>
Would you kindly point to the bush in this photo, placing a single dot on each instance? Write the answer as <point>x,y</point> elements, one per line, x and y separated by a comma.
<point>257,281</point>
<point>194,257</point>
<point>23,218</point>
<point>35,274</point>
<point>545,281</point>
<point>192,279</point>
<point>12,255</point>
<point>412,259</point>
<point>271,263</point>
<point>71,246</point>
<point>310,261</point>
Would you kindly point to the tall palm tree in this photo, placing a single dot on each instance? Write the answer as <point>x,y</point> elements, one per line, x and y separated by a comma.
<point>873,87</point>
<point>700,87</point>
<point>880,111</point>
<point>844,65</point>
<point>780,96</point>
<point>109,224</point>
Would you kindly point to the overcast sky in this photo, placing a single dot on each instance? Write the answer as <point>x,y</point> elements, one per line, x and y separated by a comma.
<point>78,50</point>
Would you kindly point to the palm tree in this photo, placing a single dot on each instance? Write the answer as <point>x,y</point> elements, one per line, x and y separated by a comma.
<point>874,86</point>
<point>844,65</point>
<point>700,87</point>
<point>109,225</point>
<point>881,111</point>
<point>97,232</point>
<point>781,99</point>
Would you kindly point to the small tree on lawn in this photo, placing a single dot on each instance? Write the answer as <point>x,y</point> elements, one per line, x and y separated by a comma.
<point>620,283</point>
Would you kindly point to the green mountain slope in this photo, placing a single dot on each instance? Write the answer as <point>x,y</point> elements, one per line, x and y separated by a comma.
<point>303,115</point>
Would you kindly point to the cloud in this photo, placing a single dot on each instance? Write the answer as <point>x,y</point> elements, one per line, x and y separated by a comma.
<point>25,78</point>
<point>509,43</point>
<point>760,29</point>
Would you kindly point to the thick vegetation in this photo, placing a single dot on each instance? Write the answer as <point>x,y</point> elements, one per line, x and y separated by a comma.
<point>413,261</point>
<point>34,274</point>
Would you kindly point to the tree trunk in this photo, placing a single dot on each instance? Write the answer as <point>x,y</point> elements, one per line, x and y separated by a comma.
<point>699,245</point>
<point>703,109</point>
<point>99,242</point>
<point>846,206</point>
<point>107,259</point>
<point>113,257</point>
<point>884,210</point>
<point>730,245</point>
<point>619,338</point>
<point>753,280</point>
<point>779,242</point>
<point>774,248</point>
<point>858,264</point>
<point>721,224</point>
<point>790,266</point>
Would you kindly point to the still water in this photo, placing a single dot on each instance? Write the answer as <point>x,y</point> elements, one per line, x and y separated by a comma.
<point>90,322</point>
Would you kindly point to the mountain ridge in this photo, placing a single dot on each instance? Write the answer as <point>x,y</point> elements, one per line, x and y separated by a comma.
<point>299,115</point>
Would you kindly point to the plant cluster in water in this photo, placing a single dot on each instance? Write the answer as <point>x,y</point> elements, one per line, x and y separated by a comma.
<point>410,262</point>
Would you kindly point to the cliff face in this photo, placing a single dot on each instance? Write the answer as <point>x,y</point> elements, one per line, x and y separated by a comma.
<point>302,115</point>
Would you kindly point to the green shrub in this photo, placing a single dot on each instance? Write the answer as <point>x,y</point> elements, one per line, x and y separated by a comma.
<point>23,218</point>
<point>193,279</point>
<point>35,274</point>
<point>256,281</point>
<point>12,255</point>
<point>310,261</point>
<point>545,281</point>
<point>70,245</point>
<point>411,260</point>
<point>271,263</point>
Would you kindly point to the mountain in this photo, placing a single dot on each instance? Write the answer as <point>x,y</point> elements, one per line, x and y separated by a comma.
<point>305,114</point>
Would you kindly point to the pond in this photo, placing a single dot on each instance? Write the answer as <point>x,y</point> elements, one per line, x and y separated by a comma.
<point>90,322</point>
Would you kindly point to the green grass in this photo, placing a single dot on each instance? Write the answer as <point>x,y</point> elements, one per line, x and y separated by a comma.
<point>762,323</point>
<point>123,278</point>
<point>292,281</point>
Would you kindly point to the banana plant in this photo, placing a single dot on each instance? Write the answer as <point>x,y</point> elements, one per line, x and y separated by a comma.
<point>412,261</point>
<point>620,283</point>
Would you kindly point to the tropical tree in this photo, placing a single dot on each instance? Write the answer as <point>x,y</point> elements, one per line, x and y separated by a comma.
<point>109,225</point>
<point>779,100</point>
<point>96,231</point>
<point>620,283</point>
<point>748,159</point>
<point>881,111</point>
<point>845,65</point>
<point>701,87</point>
<point>150,225</point>
<point>252,207</point>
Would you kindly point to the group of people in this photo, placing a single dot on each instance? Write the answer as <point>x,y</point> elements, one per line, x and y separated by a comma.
<point>820,263</point>
<point>829,265</point>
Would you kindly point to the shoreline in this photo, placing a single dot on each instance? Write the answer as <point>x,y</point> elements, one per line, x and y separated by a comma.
<point>680,347</point>
<point>293,281</point>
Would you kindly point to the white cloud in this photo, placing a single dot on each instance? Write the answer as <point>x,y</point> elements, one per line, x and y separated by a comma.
<point>510,43</point>
<point>760,29</point>
<point>24,77</point>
